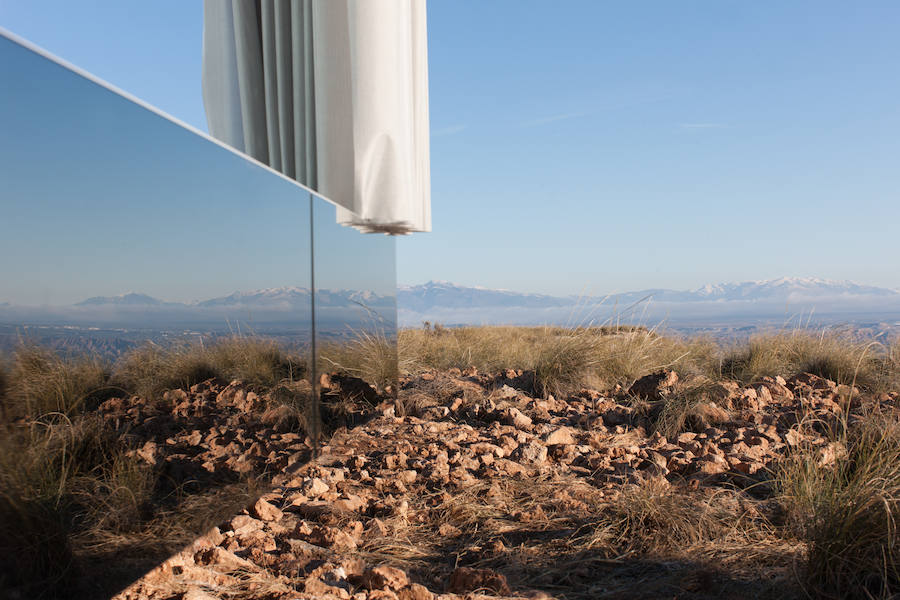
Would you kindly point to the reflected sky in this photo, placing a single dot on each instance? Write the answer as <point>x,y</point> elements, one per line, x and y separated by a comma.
<point>362,266</point>
<point>100,196</point>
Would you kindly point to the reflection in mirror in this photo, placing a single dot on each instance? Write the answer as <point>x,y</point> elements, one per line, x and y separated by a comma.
<point>155,329</point>
<point>356,304</point>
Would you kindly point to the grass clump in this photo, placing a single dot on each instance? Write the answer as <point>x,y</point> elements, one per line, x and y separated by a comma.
<point>60,478</point>
<point>151,370</point>
<point>369,355</point>
<point>559,356</point>
<point>653,517</point>
<point>690,407</point>
<point>258,362</point>
<point>42,382</point>
<point>844,502</point>
<point>564,362</point>
<point>833,355</point>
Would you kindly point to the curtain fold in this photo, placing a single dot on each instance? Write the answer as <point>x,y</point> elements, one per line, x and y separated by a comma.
<point>333,93</point>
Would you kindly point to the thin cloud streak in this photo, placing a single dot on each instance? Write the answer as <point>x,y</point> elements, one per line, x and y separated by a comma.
<point>554,119</point>
<point>702,126</point>
<point>450,130</point>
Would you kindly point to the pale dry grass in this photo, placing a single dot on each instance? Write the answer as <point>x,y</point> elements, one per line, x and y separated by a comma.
<point>41,382</point>
<point>690,407</point>
<point>258,362</point>
<point>58,476</point>
<point>554,533</point>
<point>847,510</point>
<point>369,355</point>
<point>561,358</point>
<point>835,355</point>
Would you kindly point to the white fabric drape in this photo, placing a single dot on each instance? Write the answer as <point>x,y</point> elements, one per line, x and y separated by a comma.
<point>333,93</point>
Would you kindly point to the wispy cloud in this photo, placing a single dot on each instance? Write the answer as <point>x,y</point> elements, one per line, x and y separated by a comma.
<point>554,119</point>
<point>697,126</point>
<point>450,130</point>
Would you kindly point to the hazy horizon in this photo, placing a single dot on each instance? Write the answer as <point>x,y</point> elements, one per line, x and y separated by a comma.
<point>73,300</point>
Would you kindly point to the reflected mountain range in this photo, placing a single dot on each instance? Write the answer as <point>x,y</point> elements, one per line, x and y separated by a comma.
<point>112,324</point>
<point>278,297</point>
<point>270,305</point>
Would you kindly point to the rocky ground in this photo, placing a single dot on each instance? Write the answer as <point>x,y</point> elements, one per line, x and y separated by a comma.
<point>470,485</point>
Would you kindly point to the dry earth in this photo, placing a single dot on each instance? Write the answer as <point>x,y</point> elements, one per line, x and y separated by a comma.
<point>469,485</point>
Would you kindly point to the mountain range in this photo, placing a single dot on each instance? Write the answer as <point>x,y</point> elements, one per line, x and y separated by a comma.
<point>268,298</point>
<point>451,304</point>
<point>448,303</point>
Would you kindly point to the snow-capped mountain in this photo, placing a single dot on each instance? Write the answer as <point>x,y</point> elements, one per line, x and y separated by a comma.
<point>268,298</point>
<point>445,294</point>
<point>279,296</point>
<point>783,288</point>
<point>282,309</point>
<point>448,295</point>
<point>449,303</point>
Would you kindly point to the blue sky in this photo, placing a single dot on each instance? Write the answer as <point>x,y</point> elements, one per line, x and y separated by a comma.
<point>597,147</point>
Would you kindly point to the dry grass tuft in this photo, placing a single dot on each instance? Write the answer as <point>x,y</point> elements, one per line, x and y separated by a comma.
<point>654,517</point>
<point>152,369</point>
<point>847,511</point>
<point>291,407</point>
<point>565,362</point>
<point>42,382</point>
<point>837,356</point>
<point>562,357</point>
<point>369,355</point>
<point>258,362</point>
<point>59,477</point>
<point>690,407</point>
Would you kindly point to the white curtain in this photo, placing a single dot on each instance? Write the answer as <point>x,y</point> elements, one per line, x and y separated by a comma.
<point>333,93</point>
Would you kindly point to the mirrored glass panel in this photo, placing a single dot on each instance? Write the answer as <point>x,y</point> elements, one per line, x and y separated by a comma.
<point>356,301</point>
<point>155,332</point>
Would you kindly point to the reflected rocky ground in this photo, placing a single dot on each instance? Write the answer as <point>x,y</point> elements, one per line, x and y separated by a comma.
<point>133,459</point>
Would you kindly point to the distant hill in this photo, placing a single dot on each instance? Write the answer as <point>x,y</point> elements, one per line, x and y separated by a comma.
<point>129,299</point>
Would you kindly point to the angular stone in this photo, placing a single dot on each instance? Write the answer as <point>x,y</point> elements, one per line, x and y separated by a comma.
<point>531,453</point>
<point>266,511</point>
<point>516,418</point>
<point>562,435</point>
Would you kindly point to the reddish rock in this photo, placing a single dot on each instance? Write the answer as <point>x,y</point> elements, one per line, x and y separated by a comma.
<point>466,579</point>
<point>265,511</point>
<point>384,577</point>
<point>562,435</point>
<point>415,591</point>
<point>531,453</point>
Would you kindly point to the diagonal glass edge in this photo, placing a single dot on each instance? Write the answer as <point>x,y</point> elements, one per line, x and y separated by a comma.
<point>12,37</point>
